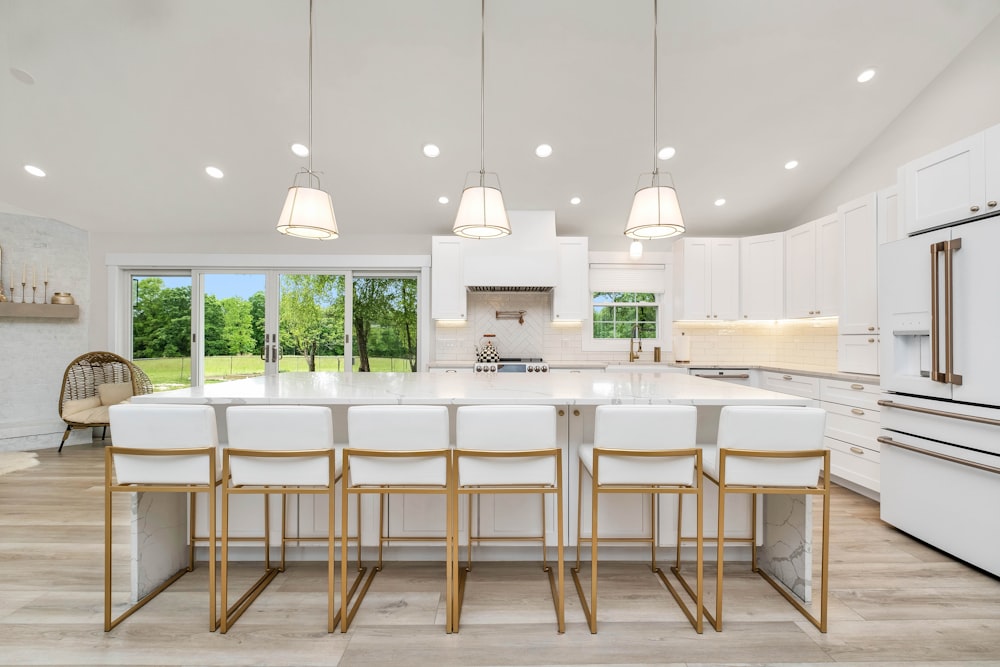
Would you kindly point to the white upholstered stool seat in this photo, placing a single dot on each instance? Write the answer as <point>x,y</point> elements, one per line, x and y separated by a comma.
<point>647,449</point>
<point>164,449</point>
<point>396,449</point>
<point>283,449</point>
<point>510,449</point>
<point>765,450</point>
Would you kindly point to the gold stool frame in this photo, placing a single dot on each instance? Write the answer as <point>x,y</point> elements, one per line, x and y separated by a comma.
<point>110,488</point>
<point>230,614</point>
<point>590,612</point>
<point>556,582</point>
<point>347,490</point>
<point>821,489</point>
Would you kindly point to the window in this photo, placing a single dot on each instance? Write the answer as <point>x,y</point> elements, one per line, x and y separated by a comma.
<point>618,315</point>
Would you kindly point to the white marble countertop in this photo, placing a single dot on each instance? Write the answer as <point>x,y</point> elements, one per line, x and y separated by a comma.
<point>468,389</point>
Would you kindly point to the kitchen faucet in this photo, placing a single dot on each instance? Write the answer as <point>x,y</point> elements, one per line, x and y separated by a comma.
<point>633,350</point>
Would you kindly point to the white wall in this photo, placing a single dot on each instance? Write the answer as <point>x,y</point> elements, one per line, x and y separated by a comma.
<point>962,100</point>
<point>34,352</point>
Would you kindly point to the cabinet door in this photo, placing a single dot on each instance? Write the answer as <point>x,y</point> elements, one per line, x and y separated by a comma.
<point>762,277</point>
<point>694,271</point>
<point>992,169</point>
<point>945,186</point>
<point>571,298</point>
<point>888,215</point>
<point>725,279</point>
<point>829,266</point>
<point>858,354</point>
<point>800,271</point>
<point>448,296</point>
<point>859,306</point>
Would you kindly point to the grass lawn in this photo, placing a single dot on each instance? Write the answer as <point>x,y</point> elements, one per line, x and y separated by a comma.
<point>175,372</point>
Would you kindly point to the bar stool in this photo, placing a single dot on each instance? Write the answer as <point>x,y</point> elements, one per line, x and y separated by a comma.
<point>641,449</point>
<point>282,449</point>
<point>161,449</point>
<point>396,449</point>
<point>770,450</point>
<point>504,449</point>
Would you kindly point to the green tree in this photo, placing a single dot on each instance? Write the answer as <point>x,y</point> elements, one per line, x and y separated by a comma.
<point>308,314</point>
<point>215,322</point>
<point>237,321</point>
<point>257,320</point>
<point>161,324</point>
<point>385,319</point>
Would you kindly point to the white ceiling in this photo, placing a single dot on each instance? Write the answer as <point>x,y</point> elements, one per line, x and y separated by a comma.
<point>133,98</point>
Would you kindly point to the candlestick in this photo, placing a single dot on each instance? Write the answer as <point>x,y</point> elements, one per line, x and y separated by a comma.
<point>45,294</point>
<point>34,283</point>
<point>33,288</point>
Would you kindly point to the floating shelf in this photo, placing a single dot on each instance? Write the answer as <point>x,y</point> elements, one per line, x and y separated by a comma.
<point>47,310</point>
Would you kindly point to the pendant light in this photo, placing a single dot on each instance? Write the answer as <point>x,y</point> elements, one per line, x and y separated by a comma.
<point>656,213</point>
<point>308,210</point>
<point>481,212</point>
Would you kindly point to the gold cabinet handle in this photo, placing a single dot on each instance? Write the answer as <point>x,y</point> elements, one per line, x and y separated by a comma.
<point>871,340</point>
<point>786,377</point>
<point>451,370</point>
<point>576,413</point>
<point>991,203</point>
<point>562,413</point>
<point>871,328</point>
<point>857,387</point>
<point>857,411</point>
<point>817,312</point>
<point>858,450</point>
<point>974,208</point>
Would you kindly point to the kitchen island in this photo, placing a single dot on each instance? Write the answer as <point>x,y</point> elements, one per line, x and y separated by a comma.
<point>160,521</point>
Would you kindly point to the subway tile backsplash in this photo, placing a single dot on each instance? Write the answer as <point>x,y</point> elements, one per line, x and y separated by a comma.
<point>807,344</point>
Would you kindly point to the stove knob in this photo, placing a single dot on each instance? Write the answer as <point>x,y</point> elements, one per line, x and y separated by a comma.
<point>545,369</point>
<point>531,369</point>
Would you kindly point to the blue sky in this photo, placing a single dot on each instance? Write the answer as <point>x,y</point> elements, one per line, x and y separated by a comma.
<point>223,285</point>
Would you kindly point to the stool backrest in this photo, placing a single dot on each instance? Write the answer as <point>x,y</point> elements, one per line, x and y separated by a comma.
<point>163,427</point>
<point>280,428</point>
<point>398,428</point>
<point>772,428</point>
<point>645,427</point>
<point>506,428</point>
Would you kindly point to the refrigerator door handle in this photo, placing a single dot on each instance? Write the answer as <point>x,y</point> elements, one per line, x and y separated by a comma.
<point>935,374</point>
<point>950,375</point>
<point>944,457</point>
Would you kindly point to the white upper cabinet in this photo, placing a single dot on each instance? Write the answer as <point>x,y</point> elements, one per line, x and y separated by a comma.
<point>813,268</point>
<point>954,183</point>
<point>706,279</point>
<point>448,294</point>
<point>762,277</point>
<point>859,306</point>
<point>890,217</point>
<point>571,296</point>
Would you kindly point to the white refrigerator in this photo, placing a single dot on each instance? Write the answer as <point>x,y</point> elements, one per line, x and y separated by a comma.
<point>939,311</point>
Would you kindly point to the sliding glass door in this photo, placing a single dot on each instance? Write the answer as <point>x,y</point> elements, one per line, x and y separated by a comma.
<point>205,326</point>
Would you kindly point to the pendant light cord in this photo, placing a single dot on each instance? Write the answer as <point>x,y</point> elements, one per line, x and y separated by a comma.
<point>310,87</point>
<point>482,92</point>
<point>655,59</point>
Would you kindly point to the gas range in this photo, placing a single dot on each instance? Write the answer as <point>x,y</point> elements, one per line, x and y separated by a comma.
<point>519,365</point>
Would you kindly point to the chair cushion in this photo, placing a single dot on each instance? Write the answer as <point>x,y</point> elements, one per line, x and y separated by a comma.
<point>79,410</point>
<point>112,393</point>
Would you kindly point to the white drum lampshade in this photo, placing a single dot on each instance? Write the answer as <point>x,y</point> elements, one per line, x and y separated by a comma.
<point>308,214</point>
<point>655,214</point>
<point>481,213</point>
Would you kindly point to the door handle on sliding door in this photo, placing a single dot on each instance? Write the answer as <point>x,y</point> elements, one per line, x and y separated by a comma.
<point>950,375</point>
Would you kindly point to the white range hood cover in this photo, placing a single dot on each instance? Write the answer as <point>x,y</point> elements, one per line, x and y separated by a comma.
<point>525,261</point>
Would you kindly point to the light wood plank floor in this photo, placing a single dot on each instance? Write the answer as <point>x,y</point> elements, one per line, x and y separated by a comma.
<point>893,601</point>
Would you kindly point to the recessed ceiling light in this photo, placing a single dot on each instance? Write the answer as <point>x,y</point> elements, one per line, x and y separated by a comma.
<point>867,75</point>
<point>214,172</point>
<point>442,200</point>
<point>791,164</point>
<point>22,76</point>
<point>720,202</point>
<point>431,150</point>
<point>300,149</point>
<point>575,200</point>
<point>33,170</point>
<point>543,150</point>
<point>666,152</point>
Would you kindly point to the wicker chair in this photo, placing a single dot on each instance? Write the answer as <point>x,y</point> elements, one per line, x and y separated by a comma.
<point>82,404</point>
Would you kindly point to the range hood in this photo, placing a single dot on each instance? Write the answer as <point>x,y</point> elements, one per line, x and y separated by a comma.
<point>525,261</point>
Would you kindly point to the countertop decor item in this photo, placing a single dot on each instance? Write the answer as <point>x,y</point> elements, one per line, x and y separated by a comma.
<point>63,298</point>
<point>487,352</point>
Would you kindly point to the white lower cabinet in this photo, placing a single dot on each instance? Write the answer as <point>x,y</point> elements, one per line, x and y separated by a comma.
<point>852,425</point>
<point>790,383</point>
